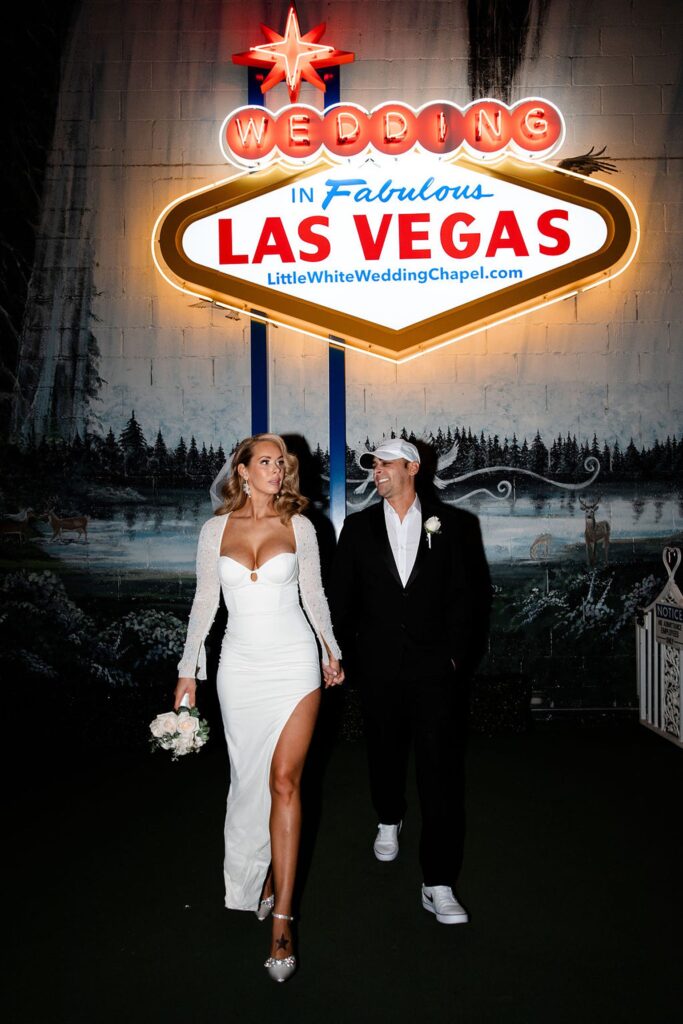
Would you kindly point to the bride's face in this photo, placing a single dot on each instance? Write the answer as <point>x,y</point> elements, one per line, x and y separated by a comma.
<point>265,470</point>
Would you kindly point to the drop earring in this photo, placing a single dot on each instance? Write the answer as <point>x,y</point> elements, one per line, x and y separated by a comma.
<point>246,488</point>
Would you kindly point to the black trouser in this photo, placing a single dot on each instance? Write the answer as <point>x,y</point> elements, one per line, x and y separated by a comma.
<point>432,712</point>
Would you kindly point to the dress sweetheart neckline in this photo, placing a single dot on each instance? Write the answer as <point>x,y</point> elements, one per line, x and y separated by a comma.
<point>257,568</point>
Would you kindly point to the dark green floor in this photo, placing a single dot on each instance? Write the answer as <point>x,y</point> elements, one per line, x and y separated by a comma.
<point>572,877</point>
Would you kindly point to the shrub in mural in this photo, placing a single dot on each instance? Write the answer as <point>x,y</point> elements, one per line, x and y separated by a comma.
<point>105,675</point>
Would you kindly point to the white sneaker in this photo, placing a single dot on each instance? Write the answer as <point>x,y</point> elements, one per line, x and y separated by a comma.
<point>439,900</point>
<point>386,843</point>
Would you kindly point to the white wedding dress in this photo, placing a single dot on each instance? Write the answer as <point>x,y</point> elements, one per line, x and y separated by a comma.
<point>269,662</point>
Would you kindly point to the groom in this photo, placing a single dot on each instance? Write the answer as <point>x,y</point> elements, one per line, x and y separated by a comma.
<point>410,600</point>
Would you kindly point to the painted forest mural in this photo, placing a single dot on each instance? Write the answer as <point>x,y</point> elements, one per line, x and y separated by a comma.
<point>99,537</point>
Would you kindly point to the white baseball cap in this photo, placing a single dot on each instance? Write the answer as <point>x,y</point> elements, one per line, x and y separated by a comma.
<point>395,448</point>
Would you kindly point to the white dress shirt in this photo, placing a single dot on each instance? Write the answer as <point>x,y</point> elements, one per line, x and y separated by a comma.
<point>404,537</point>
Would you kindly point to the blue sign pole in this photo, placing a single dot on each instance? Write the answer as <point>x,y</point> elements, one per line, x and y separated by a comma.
<point>337,375</point>
<point>259,375</point>
<point>337,386</point>
<point>332,79</point>
<point>260,413</point>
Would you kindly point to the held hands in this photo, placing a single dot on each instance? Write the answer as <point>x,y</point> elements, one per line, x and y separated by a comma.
<point>333,673</point>
<point>188,686</point>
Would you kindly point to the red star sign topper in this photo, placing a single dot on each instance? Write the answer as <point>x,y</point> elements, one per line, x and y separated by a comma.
<point>292,56</point>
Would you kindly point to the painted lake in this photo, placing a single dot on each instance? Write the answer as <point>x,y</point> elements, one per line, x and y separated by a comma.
<point>161,537</point>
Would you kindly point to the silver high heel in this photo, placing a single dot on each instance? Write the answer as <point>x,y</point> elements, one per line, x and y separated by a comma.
<point>281,970</point>
<point>265,907</point>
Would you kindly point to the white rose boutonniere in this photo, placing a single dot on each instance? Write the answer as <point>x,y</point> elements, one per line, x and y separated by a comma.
<point>431,526</point>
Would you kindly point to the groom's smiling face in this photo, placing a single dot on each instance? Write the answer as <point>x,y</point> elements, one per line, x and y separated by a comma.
<point>394,479</point>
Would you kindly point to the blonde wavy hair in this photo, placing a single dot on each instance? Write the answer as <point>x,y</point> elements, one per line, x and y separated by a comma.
<point>287,503</point>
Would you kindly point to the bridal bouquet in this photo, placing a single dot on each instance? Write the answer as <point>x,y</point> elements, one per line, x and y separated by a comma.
<point>180,731</point>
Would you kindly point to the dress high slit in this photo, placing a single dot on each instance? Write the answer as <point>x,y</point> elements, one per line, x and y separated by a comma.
<point>269,663</point>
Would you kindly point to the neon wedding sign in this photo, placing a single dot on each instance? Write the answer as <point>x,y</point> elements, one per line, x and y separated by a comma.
<point>395,229</point>
<point>485,130</point>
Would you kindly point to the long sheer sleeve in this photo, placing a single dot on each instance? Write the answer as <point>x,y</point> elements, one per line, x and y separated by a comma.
<point>206,599</point>
<point>311,587</point>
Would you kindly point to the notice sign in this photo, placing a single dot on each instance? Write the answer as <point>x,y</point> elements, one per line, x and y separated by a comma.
<point>669,624</point>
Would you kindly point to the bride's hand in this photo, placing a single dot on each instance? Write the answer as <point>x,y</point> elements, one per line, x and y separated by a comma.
<point>184,686</point>
<point>333,673</point>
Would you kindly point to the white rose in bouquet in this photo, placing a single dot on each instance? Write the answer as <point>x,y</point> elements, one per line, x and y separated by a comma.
<point>164,725</point>
<point>183,745</point>
<point>187,724</point>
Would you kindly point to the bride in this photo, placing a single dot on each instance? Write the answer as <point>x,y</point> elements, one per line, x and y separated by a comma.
<point>263,554</point>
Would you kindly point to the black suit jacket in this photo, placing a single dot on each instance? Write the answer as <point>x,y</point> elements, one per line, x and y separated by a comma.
<point>442,613</point>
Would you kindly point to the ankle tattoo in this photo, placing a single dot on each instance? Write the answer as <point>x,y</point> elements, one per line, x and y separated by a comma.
<point>282,942</point>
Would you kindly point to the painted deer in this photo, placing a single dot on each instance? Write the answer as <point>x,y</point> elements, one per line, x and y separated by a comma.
<point>595,532</point>
<point>69,524</point>
<point>15,528</point>
<point>541,547</point>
